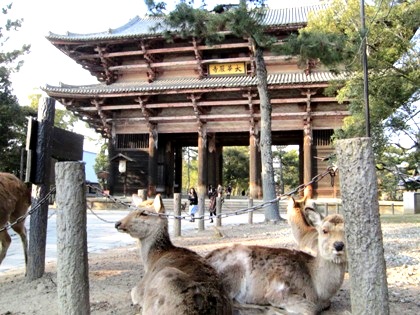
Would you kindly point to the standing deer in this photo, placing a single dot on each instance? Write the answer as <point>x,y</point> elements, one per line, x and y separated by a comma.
<point>177,280</point>
<point>289,279</point>
<point>304,233</point>
<point>15,198</point>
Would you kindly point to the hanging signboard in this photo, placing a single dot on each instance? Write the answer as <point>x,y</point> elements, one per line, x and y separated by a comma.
<point>227,68</point>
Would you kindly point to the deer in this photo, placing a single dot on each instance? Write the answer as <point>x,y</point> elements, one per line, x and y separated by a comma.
<point>176,280</point>
<point>288,279</point>
<point>15,199</point>
<point>304,233</point>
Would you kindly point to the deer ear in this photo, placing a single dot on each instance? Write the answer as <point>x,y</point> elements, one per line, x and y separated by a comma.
<point>292,202</point>
<point>158,204</point>
<point>314,217</point>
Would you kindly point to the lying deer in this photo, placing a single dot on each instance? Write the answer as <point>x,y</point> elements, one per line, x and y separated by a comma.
<point>284,278</point>
<point>15,198</point>
<point>304,233</point>
<point>176,280</point>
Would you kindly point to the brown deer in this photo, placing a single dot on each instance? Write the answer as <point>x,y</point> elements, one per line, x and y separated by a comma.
<point>15,199</point>
<point>304,233</point>
<point>284,278</point>
<point>177,280</point>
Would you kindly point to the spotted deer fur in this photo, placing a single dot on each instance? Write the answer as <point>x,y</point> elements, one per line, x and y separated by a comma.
<point>15,198</point>
<point>284,278</point>
<point>176,280</point>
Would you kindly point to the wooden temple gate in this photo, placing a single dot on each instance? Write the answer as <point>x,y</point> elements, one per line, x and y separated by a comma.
<point>156,97</point>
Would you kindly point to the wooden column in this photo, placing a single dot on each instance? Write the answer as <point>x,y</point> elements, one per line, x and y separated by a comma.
<point>169,169</point>
<point>212,161</point>
<point>307,142</point>
<point>202,172</point>
<point>219,165</point>
<point>178,170</point>
<point>253,167</point>
<point>152,174</point>
<point>39,219</point>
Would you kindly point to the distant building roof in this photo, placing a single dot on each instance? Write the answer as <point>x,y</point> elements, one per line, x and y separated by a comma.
<point>143,27</point>
<point>195,83</point>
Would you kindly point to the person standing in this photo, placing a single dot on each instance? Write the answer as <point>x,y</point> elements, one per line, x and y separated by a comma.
<point>193,199</point>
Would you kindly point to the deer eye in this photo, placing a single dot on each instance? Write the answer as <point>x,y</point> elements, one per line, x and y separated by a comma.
<point>324,231</point>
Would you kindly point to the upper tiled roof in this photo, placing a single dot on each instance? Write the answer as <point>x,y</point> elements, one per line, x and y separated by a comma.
<point>194,83</point>
<point>142,27</point>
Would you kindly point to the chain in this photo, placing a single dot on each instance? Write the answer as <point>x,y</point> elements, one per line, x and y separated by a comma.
<point>93,212</point>
<point>33,209</point>
<point>330,171</point>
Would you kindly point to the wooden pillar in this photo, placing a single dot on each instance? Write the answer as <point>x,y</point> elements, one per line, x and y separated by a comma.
<point>260,190</point>
<point>178,170</point>
<point>72,254</point>
<point>39,219</point>
<point>219,165</point>
<point>202,172</point>
<point>169,169</point>
<point>153,156</point>
<point>307,142</point>
<point>253,167</point>
<point>359,193</point>
<point>212,161</point>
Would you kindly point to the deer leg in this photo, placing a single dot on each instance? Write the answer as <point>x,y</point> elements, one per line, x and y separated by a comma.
<point>292,303</point>
<point>20,229</point>
<point>5,241</point>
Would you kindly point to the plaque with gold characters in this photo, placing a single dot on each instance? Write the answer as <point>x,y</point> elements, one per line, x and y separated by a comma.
<point>227,68</point>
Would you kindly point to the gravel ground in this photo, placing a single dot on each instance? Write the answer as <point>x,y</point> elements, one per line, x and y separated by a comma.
<point>113,273</point>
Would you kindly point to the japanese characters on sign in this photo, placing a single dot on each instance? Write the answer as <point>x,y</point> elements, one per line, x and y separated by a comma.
<point>227,68</point>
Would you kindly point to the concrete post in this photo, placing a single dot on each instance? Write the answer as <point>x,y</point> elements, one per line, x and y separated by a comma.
<point>218,211</point>
<point>72,256</point>
<point>251,213</point>
<point>177,212</point>
<point>360,207</point>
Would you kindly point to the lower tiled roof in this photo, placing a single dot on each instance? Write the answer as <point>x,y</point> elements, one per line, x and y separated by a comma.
<point>195,83</point>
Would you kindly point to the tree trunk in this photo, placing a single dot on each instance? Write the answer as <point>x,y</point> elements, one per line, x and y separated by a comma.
<point>359,191</point>
<point>267,174</point>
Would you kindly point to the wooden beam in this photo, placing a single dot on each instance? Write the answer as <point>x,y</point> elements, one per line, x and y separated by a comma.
<point>206,103</point>
<point>229,117</point>
<point>185,63</point>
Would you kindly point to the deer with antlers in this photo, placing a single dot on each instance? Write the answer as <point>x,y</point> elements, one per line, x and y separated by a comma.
<point>177,280</point>
<point>15,199</point>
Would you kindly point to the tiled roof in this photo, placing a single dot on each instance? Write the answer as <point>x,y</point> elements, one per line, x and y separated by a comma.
<point>194,83</point>
<point>142,27</point>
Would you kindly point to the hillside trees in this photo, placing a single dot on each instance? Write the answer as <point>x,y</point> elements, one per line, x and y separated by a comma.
<point>12,116</point>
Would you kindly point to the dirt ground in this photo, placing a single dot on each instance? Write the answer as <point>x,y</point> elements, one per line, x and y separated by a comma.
<point>113,273</point>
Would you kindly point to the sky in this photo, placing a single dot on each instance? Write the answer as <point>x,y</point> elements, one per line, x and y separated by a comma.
<point>46,64</point>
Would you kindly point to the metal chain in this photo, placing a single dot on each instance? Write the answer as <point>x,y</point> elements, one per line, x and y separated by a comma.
<point>96,215</point>
<point>33,209</point>
<point>330,171</point>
